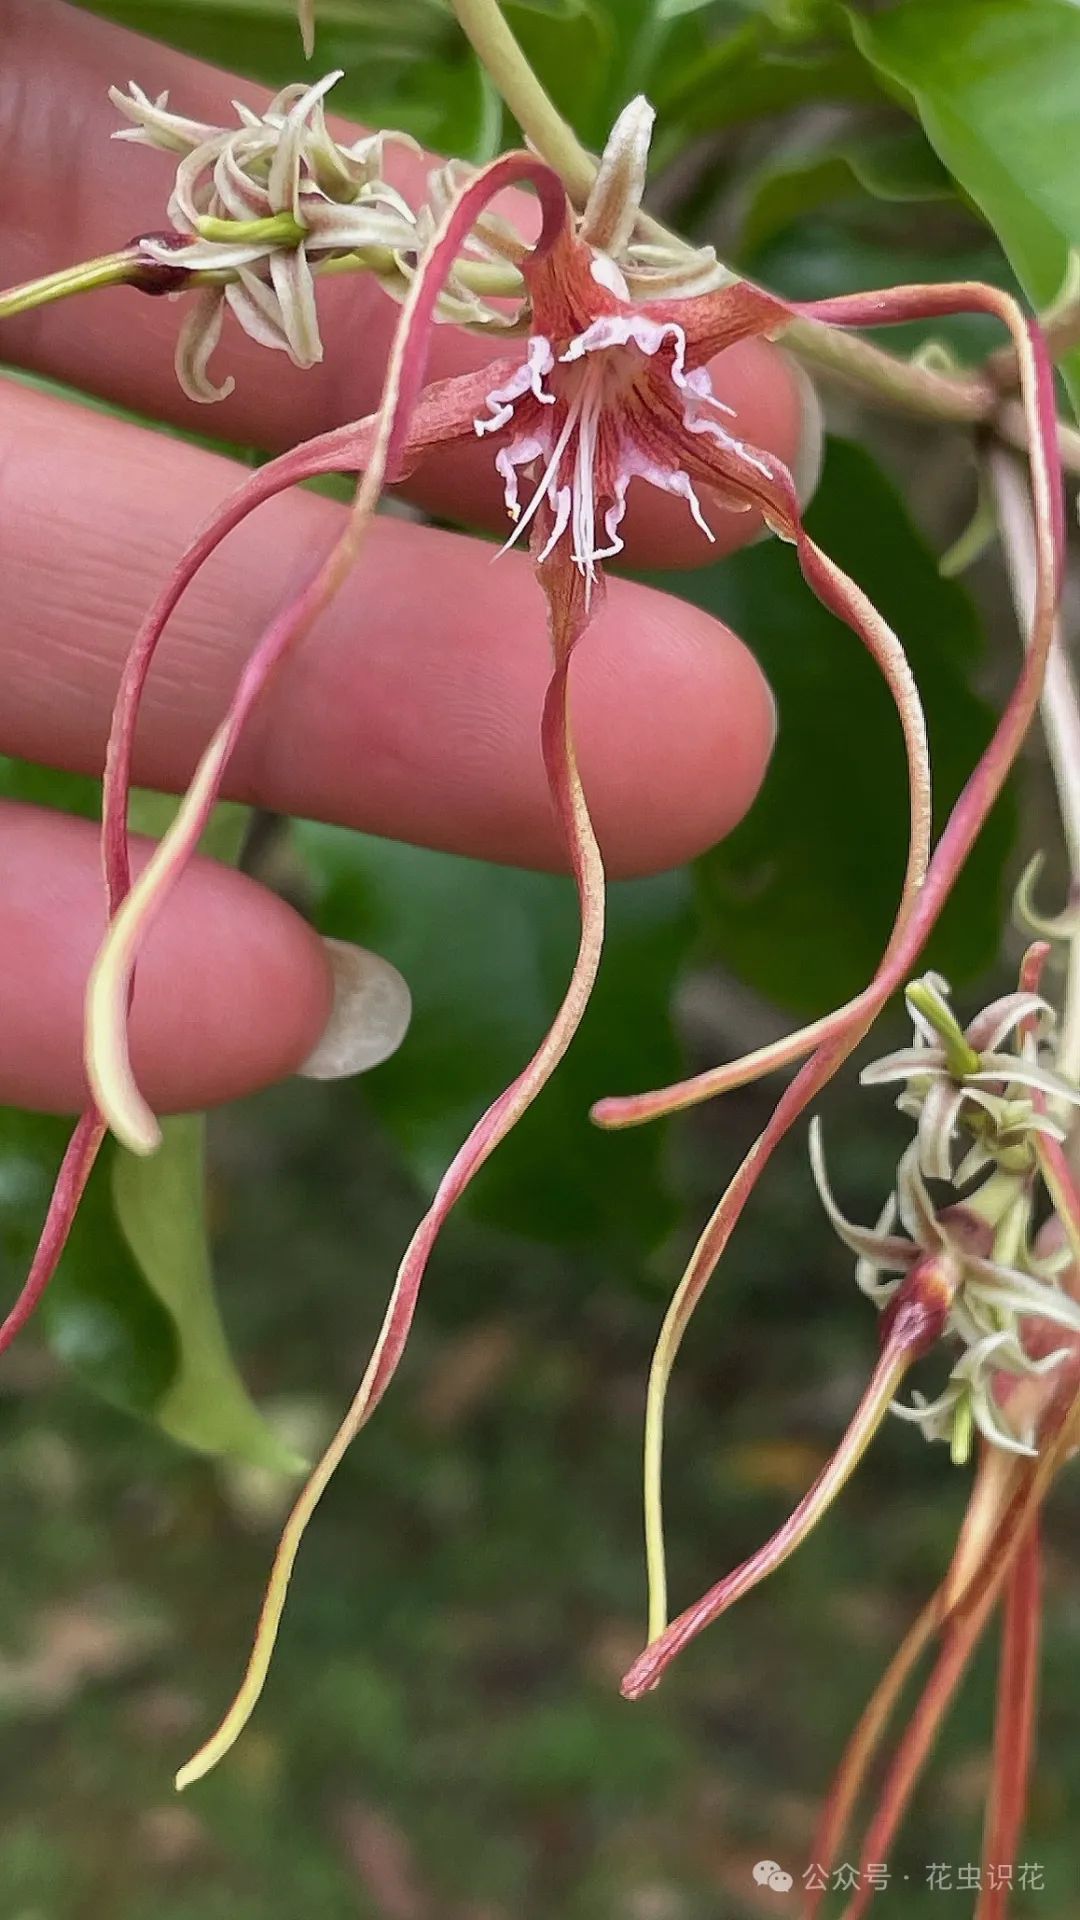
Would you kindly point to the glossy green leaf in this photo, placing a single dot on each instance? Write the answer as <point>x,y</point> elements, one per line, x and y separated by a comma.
<point>800,899</point>
<point>486,952</point>
<point>899,168</point>
<point>996,84</point>
<point>49,787</point>
<point>571,45</point>
<point>161,1210</point>
<point>746,77</point>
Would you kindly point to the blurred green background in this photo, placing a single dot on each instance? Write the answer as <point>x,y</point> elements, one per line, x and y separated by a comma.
<point>442,1737</point>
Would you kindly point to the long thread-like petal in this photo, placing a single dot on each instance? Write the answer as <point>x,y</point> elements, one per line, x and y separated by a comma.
<point>108,996</point>
<point>872,1408</point>
<point>75,1169</point>
<point>847,601</point>
<point>883,309</point>
<point>861,1748</point>
<point>569,802</point>
<point>966,1623</point>
<point>493,1127</point>
<point>998,1479</point>
<point>917,915</point>
<point>1014,1726</point>
<point>445,412</point>
<point>914,1748</point>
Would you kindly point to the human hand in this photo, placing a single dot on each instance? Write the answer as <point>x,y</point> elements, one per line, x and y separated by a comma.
<point>412,711</point>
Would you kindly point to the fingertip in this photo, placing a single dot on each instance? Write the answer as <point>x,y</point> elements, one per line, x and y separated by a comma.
<point>676,722</point>
<point>233,993</point>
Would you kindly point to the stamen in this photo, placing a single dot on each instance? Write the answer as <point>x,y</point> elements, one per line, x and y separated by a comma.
<point>546,482</point>
<point>585,554</point>
<point>561,505</point>
<point>604,383</point>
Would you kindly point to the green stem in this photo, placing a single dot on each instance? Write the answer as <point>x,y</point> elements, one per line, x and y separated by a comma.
<point>538,117</point>
<point>966,399</point>
<point>111,270</point>
<point>276,230</point>
<point>492,279</point>
<point>882,379</point>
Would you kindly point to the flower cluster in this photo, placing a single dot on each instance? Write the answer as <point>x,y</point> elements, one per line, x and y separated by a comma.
<point>967,1085</point>
<point>258,209</point>
<point>957,1079</point>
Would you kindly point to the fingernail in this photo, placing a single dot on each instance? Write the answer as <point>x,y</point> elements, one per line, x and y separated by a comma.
<point>807,465</point>
<point>369,1017</point>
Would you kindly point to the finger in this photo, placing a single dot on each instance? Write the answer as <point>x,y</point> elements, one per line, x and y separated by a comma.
<point>412,710</point>
<point>234,992</point>
<point>73,193</point>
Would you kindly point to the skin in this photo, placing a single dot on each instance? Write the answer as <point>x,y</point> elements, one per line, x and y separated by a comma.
<point>411,711</point>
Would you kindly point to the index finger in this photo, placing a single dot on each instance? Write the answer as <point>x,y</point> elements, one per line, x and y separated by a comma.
<point>72,193</point>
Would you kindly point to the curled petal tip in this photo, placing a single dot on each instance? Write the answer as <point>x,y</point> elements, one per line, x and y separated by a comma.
<point>640,1678</point>
<point>108,1066</point>
<point>122,1106</point>
<point>613,1112</point>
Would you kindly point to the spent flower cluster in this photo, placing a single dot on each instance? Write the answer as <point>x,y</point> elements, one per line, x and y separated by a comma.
<point>981,1111</point>
<point>260,208</point>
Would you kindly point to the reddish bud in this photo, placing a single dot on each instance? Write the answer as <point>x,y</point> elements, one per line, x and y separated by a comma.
<point>156,277</point>
<point>916,1316</point>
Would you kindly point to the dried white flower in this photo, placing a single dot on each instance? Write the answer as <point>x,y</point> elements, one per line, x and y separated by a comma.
<point>955,1075</point>
<point>265,203</point>
<point>992,1299</point>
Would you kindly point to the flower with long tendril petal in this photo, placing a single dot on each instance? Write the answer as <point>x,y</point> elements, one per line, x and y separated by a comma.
<point>830,1040</point>
<point>606,388</point>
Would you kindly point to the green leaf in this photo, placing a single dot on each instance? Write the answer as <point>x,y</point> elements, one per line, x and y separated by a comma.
<point>996,84</point>
<point>486,951</point>
<point>746,78</point>
<point>799,900</point>
<point>160,1204</point>
<point>48,787</point>
<point>160,1207</point>
<point>405,63</point>
<point>826,253</point>
<point>570,45</point>
<point>900,168</point>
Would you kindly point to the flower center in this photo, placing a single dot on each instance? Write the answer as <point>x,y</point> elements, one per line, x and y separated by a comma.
<point>609,409</point>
